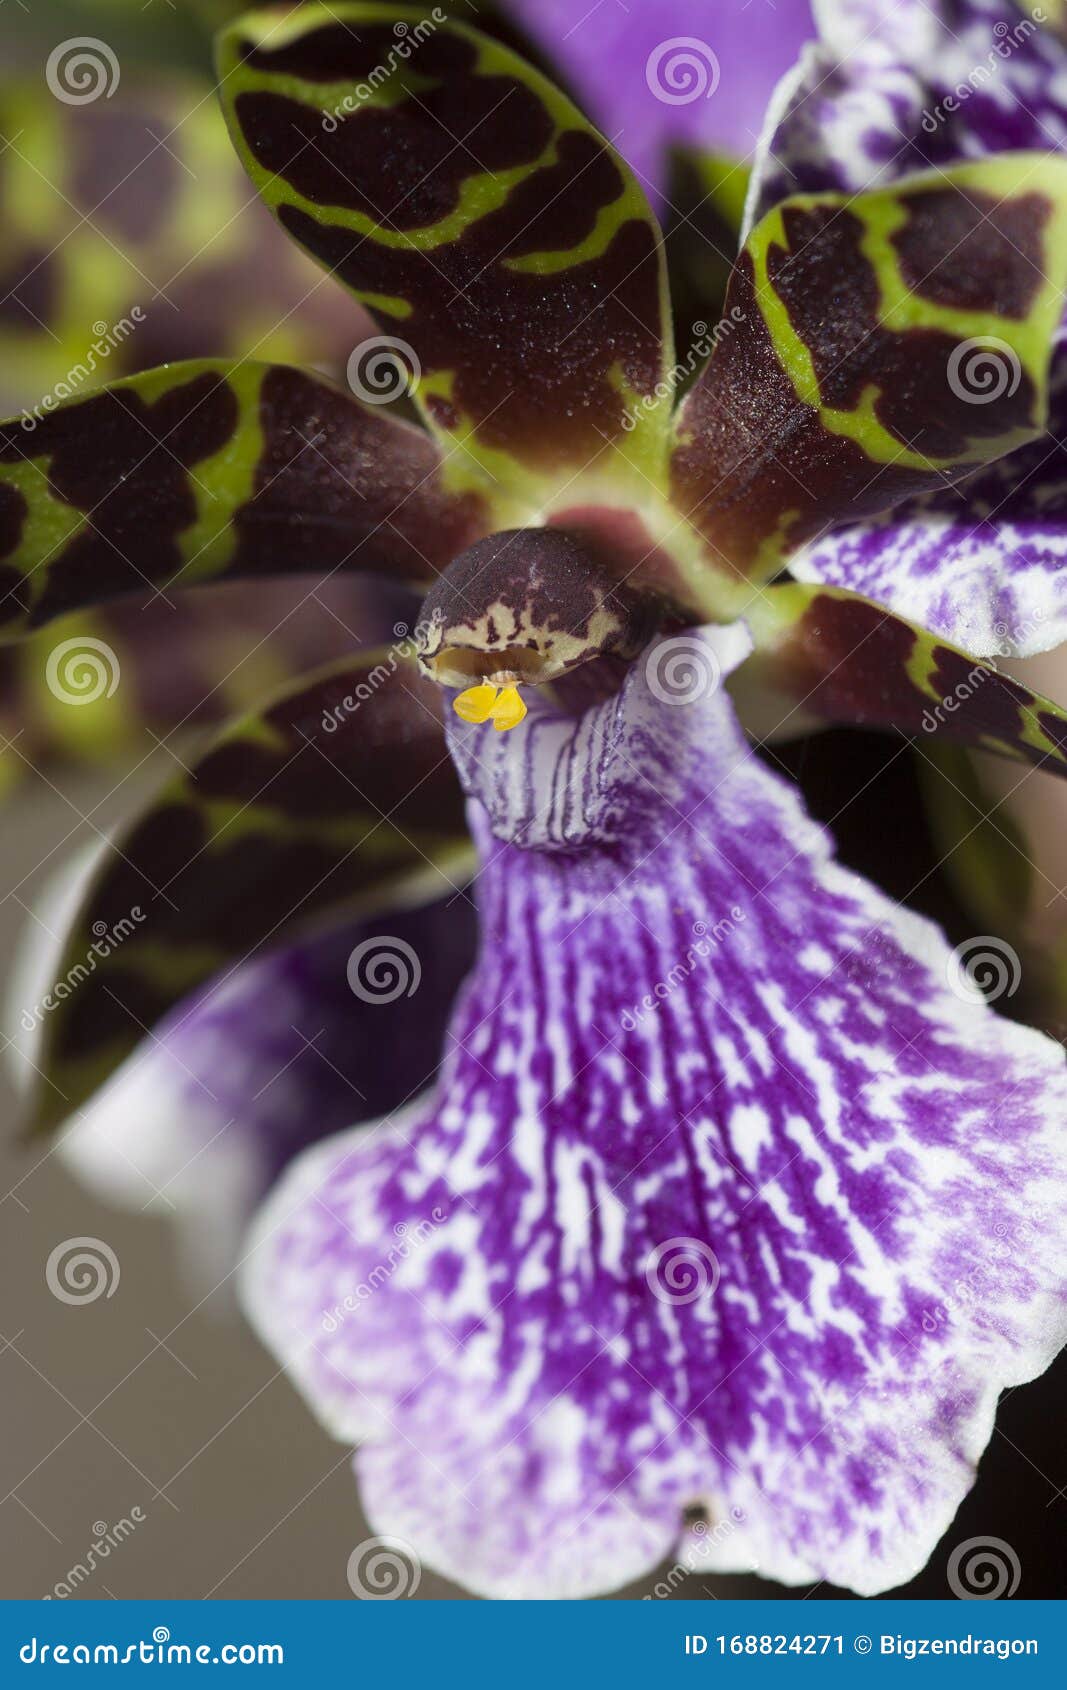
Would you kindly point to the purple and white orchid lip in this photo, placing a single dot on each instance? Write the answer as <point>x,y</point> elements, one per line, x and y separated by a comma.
<point>712,1139</point>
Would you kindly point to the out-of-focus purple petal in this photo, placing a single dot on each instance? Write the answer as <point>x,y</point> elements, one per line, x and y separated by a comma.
<point>655,72</point>
<point>734,1193</point>
<point>272,1056</point>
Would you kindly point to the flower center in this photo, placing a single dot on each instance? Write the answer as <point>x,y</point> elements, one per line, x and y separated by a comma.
<point>519,608</point>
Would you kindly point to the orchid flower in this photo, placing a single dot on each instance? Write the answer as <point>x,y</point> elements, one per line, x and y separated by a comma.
<point>717,1124</point>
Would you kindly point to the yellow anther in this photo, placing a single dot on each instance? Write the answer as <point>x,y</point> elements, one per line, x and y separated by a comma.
<point>508,711</point>
<point>503,706</point>
<point>476,704</point>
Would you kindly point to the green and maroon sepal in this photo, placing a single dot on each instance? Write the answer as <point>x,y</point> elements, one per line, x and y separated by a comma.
<point>479,215</point>
<point>879,346</point>
<point>839,658</point>
<point>209,471</point>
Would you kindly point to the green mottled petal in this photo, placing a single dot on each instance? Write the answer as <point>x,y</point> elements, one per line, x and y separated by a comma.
<point>209,471</point>
<point>99,686</point>
<point>337,799</point>
<point>130,239</point>
<point>880,346</point>
<point>491,230</point>
<point>837,657</point>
